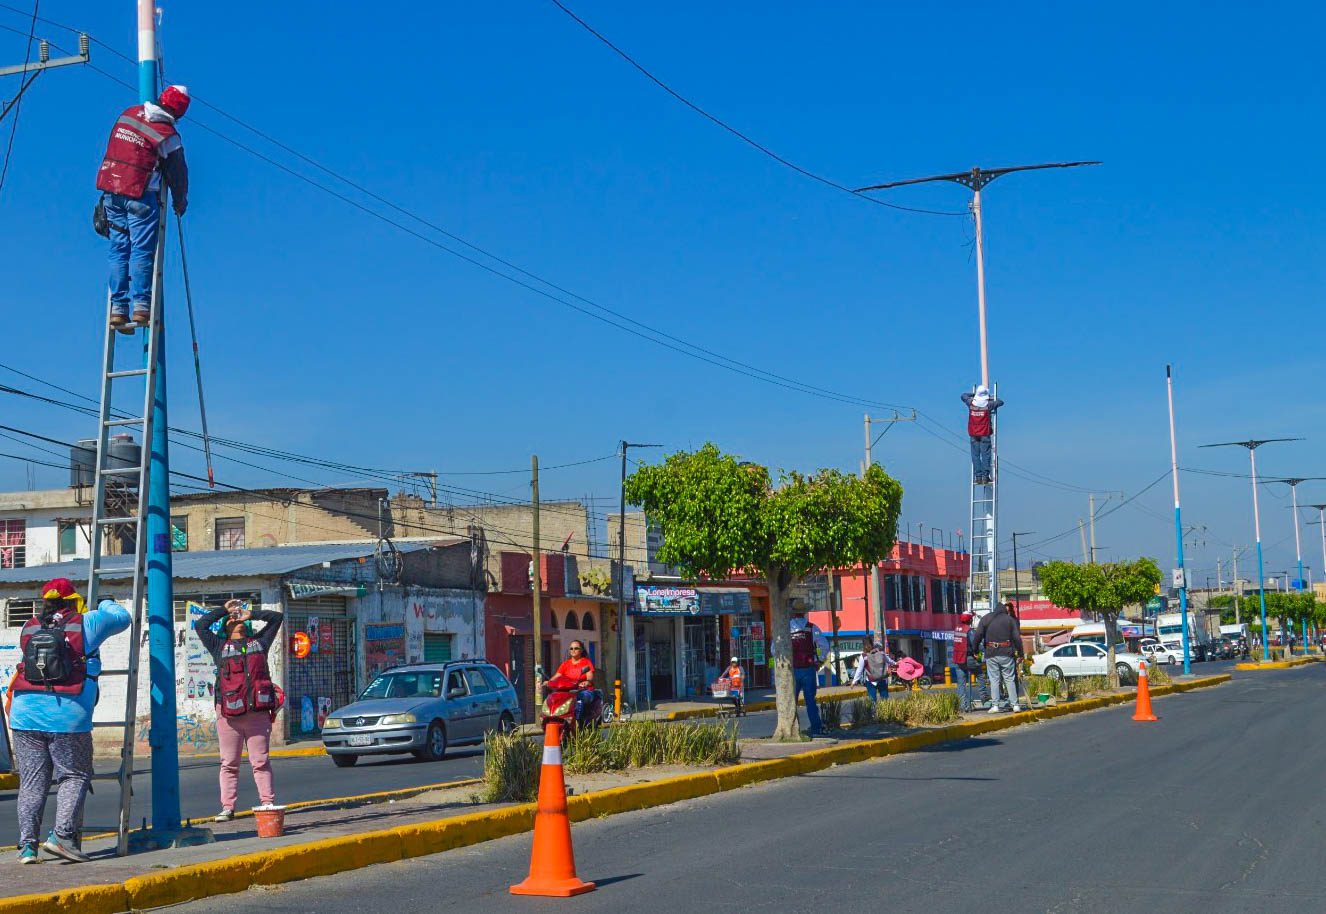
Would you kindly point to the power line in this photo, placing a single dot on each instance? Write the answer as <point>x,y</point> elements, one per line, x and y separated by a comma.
<point>18,101</point>
<point>754,144</point>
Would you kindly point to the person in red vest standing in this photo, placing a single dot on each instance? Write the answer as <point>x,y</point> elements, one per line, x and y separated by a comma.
<point>246,698</point>
<point>144,147</point>
<point>980,428</point>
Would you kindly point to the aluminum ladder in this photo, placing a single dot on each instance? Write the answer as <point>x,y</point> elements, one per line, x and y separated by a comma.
<point>104,518</point>
<point>983,571</point>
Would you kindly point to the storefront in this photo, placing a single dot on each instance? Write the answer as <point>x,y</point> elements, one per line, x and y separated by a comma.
<point>679,637</point>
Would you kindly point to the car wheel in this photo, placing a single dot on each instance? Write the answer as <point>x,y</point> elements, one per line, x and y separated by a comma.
<point>344,761</point>
<point>1054,673</point>
<point>506,723</point>
<point>435,743</point>
<point>1125,672</point>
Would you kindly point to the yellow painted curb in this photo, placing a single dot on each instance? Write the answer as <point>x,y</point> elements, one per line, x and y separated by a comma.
<point>1277,664</point>
<point>334,855</point>
<point>691,713</point>
<point>8,782</point>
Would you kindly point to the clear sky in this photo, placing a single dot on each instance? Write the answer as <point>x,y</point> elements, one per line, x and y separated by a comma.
<point>328,332</point>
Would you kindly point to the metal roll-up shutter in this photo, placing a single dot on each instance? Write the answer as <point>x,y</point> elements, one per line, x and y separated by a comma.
<point>324,680</point>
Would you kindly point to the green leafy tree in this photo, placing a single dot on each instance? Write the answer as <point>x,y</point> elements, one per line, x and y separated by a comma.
<point>720,516</point>
<point>1104,590</point>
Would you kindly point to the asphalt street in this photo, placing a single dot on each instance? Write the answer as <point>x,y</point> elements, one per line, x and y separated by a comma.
<point>1216,808</point>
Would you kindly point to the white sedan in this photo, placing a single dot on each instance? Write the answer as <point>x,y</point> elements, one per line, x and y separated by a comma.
<point>1159,653</point>
<point>1083,658</point>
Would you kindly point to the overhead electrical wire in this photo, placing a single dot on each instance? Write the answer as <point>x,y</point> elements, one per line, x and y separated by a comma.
<point>754,144</point>
<point>18,100</point>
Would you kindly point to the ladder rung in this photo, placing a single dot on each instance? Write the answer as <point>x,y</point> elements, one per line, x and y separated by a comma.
<point>108,776</point>
<point>132,421</point>
<point>124,672</point>
<point>110,521</point>
<point>105,724</point>
<point>108,572</point>
<point>127,373</point>
<point>122,471</point>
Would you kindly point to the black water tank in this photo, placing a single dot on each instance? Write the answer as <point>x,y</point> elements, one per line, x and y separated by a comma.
<point>83,462</point>
<point>124,453</point>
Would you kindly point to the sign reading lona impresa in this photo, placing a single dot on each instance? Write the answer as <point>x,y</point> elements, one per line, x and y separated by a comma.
<point>690,601</point>
<point>304,590</point>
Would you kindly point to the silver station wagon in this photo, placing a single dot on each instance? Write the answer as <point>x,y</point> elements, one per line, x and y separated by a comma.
<point>422,708</point>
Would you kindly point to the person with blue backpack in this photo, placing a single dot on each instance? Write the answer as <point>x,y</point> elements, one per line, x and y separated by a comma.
<point>54,691</point>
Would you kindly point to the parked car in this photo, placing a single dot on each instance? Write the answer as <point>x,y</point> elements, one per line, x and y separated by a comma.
<point>1159,653</point>
<point>422,709</point>
<point>1083,658</point>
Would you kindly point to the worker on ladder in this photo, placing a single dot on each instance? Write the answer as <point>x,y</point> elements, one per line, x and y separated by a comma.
<point>981,408</point>
<point>144,148</point>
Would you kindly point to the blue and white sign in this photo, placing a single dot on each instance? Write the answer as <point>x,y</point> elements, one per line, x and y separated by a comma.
<point>690,601</point>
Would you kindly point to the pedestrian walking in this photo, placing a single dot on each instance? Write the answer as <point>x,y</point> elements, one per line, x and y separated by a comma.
<point>873,669</point>
<point>737,677</point>
<point>54,691</point>
<point>981,408</point>
<point>808,647</point>
<point>1002,641</point>
<point>144,148</point>
<point>246,698</point>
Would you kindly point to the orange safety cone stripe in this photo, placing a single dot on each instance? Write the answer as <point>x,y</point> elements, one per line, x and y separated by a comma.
<point>1143,712</point>
<point>552,865</point>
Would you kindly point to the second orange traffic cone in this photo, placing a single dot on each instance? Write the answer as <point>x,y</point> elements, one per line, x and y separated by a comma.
<point>1143,696</point>
<point>552,865</point>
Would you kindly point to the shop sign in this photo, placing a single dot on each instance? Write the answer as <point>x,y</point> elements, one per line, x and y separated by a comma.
<point>305,590</point>
<point>690,601</point>
<point>939,636</point>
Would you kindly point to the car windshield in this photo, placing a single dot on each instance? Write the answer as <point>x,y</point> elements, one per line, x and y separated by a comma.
<point>417,684</point>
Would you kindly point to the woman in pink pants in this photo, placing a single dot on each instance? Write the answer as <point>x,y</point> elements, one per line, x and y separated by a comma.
<point>246,698</point>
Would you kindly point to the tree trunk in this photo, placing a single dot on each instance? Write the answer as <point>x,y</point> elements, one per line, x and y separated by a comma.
<point>1111,632</point>
<point>780,620</point>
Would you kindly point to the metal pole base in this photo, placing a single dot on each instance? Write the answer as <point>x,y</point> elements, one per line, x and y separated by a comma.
<point>153,839</point>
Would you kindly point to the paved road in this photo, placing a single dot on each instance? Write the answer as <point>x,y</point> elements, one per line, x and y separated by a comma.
<point>303,778</point>
<point>1214,809</point>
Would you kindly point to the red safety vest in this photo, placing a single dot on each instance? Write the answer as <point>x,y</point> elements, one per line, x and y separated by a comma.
<point>244,682</point>
<point>960,645</point>
<point>979,423</point>
<point>72,684</point>
<point>131,153</point>
<point>804,654</point>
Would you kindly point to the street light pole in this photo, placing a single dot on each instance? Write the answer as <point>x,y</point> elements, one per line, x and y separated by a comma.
<point>1252,445</point>
<point>874,600</point>
<point>1178,523</point>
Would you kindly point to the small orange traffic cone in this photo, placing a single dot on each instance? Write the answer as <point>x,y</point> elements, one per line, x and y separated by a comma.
<point>552,865</point>
<point>1143,696</point>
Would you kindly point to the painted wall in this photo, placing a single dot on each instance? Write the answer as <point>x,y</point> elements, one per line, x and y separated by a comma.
<point>459,613</point>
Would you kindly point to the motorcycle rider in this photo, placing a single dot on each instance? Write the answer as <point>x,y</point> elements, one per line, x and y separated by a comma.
<point>578,668</point>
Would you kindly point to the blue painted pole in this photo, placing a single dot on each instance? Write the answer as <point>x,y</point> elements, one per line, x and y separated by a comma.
<point>1178,524</point>
<point>1261,592</point>
<point>162,734</point>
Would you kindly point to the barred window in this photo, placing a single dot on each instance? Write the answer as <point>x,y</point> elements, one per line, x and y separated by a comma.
<point>18,612</point>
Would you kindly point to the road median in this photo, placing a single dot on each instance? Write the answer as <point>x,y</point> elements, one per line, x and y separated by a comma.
<point>1276,664</point>
<point>276,864</point>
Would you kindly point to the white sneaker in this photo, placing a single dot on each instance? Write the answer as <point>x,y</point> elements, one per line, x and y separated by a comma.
<point>225,815</point>
<point>1017,708</point>
<point>994,709</point>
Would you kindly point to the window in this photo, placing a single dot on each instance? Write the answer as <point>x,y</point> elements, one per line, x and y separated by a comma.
<point>572,621</point>
<point>13,544</point>
<point>179,533</point>
<point>17,612</point>
<point>230,533</point>
<point>68,532</point>
<point>588,622</point>
<point>552,619</point>
<point>890,587</point>
<point>1091,650</point>
<point>456,681</point>
<point>1067,651</point>
<point>478,684</point>
<point>937,602</point>
<point>496,681</point>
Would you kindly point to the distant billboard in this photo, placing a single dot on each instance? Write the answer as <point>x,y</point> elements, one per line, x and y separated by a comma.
<point>690,601</point>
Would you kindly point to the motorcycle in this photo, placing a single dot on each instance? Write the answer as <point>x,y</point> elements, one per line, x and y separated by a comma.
<point>561,704</point>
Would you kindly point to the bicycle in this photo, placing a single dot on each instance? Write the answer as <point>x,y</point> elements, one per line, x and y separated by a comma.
<point>610,714</point>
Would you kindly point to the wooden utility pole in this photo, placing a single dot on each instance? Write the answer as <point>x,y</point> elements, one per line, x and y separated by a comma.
<point>1091,510</point>
<point>537,582</point>
<point>1082,532</point>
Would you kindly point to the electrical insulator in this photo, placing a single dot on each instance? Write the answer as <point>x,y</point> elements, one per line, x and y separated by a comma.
<point>44,51</point>
<point>84,45</point>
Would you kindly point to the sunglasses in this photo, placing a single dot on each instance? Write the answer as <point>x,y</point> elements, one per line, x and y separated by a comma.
<point>577,649</point>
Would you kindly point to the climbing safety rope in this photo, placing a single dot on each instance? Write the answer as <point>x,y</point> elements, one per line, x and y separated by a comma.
<point>197,363</point>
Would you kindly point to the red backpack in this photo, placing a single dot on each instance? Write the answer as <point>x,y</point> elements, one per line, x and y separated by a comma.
<point>54,656</point>
<point>804,654</point>
<point>244,683</point>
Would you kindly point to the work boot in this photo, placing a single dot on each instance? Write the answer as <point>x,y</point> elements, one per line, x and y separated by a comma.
<point>142,315</point>
<point>119,320</point>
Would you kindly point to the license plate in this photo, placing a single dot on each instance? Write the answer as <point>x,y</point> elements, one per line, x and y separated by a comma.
<point>361,741</point>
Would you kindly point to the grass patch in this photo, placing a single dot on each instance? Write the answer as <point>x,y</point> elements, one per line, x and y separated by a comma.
<point>642,743</point>
<point>861,712</point>
<point>917,708</point>
<point>511,765</point>
<point>1158,675</point>
<point>831,714</point>
<point>1082,686</point>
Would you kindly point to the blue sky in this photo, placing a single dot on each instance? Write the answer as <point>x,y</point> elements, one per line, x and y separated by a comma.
<point>327,332</point>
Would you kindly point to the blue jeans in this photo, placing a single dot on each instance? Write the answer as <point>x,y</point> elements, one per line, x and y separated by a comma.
<point>1000,670</point>
<point>981,457</point>
<point>132,252</point>
<point>877,691</point>
<point>806,681</point>
<point>964,688</point>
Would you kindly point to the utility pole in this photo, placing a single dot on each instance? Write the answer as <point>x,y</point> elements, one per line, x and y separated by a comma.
<point>1091,512</point>
<point>874,599</point>
<point>42,63</point>
<point>1252,444</point>
<point>1293,482</point>
<point>1082,532</point>
<point>1220,581</point>
<point>1321,525</point>
<point>1178,523</point>
<point>537,583</point>
<point>1238,616</point>
<point>621,587</point>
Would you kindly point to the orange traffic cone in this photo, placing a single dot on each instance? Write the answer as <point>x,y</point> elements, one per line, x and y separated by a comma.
<point>552,865</point>
<point>1143,696</point>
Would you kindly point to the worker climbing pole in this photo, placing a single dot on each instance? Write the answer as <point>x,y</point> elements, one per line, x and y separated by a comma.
<point>144,158</point>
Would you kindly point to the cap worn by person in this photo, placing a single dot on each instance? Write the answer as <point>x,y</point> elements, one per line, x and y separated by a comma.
<point>57,589</point>
<point>966,617</point>
<point>175,99</point>
<point>734,660</point>
<point>798,606</point>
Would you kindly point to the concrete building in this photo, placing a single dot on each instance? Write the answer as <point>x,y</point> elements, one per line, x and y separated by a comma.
<point>359,617</point>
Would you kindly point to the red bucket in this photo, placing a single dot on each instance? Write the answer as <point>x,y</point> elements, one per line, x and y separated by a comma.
<point>271,821</point>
